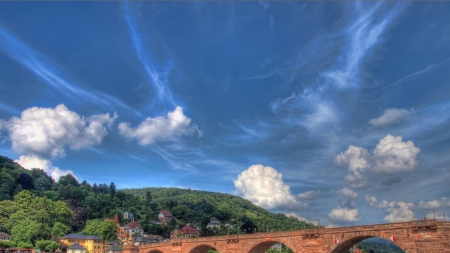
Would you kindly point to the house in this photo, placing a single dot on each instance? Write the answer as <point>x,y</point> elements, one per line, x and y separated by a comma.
<point>121,235</point>
<point>189,231</point>
<point>150,238</point>
<point>4,236</point>
<point>194,225</point>
<point>76,248</point>
<point>112,249</point>
<point>133,228</point>
<point>92,244</point>
<point>128,215</point>
<point>213,223</point>
<point>164,216</point>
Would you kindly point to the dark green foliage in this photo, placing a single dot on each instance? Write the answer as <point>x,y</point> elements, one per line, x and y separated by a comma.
<point>104,229</point>
<point>249,228</point>
<point>101,201</point>
<point>112,189</point>
<point>68,180</point>
<point>227,208</point>
<point>47,245</point>
<point>79,214</point>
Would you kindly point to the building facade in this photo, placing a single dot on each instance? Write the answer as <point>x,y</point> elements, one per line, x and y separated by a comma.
<point>133,228</point>
<point>4,236</point>
<point>93,244</point>
<point>164,216</point>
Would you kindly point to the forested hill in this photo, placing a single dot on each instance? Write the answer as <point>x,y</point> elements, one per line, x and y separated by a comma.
<point>224,207</point>
<point>89,202</point>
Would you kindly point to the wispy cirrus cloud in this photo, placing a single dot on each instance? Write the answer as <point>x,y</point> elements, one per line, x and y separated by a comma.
<point>318,107</point>
<point>157,76</point>
<point>361,35</point>
<point>418,73</point>
<point>50,73</point>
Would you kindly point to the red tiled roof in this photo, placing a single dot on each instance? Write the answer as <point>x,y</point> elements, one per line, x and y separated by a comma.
<point>132,225</point>
<point>166,213</point>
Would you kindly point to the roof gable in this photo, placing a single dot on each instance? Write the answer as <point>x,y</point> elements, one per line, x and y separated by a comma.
<point>77,246</point>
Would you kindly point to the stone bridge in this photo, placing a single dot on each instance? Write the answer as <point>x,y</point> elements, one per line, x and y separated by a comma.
<point>420,236</point>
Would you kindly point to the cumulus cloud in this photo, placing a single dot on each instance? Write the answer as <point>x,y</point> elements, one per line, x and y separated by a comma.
<point>397,211</point>
<point>344,214</point>
<point>32,161</point>
<point>390,116</point>
<point>391,155</point>
<point>371,200</point>
<point>356,180</point>
<point>347,197</point>
<point>46,132</point>
<point>355,159</point>
<point>264,186</point>
<point>160,128</point>
<point>444,202</point>
<point>309,195</point>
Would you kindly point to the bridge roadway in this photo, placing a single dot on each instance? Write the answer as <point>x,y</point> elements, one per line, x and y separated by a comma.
<point>420,236</point>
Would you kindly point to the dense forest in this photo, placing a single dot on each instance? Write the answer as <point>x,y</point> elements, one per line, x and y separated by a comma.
<point>35,209</point>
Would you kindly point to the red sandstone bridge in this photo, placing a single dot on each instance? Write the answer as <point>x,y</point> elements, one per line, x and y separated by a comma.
<point>421,236</point>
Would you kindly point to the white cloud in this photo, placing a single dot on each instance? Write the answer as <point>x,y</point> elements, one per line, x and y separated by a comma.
<point>309,195</point>
<point>356,180</point>
<point>390,116</point>
<point>160,128</point>
<point>264,187</point>
<point>371,200</point>
<point>439,203</point>
<point>354,159</point>
<point>32,161</point>
<point>344,214</point>
<point>397,211</point>
<point>46,132</point>
<point>393,155</point>
<point>347,197</point>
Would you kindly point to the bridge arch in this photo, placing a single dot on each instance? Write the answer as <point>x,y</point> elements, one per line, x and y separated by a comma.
<point>203,248</point>
<point>263,246</point>
<point>155,251</point>
<point>346,245</point>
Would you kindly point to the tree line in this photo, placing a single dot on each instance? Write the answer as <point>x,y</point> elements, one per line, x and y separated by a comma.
<point>32,201</point>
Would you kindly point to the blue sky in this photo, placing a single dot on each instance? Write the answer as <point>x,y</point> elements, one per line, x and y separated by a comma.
<point>335,111</point>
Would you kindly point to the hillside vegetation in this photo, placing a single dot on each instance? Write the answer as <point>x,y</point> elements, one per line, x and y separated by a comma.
<point>90,204</point>
<point>225,207</point>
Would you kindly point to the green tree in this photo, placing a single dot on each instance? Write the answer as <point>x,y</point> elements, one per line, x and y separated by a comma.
<point>68,179</point>
<point>112,189</point>
<point>47,245</point>
<point>107,230</point>
<point>25,245</point>
<point>148,197</point>
<point>59,229</point>
<point>182,212</point>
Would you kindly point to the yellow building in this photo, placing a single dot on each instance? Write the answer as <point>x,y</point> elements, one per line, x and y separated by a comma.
<point>92,244</point>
